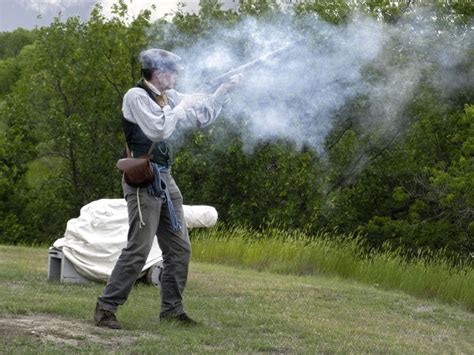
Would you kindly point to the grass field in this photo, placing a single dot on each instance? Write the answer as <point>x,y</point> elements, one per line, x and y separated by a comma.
<point>240,310</point>
<point>430,275</point>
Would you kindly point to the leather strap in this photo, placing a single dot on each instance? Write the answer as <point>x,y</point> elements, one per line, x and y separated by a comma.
<point>129,153</point>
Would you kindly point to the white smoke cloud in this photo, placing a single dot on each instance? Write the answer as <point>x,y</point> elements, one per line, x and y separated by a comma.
<point>45,6</point>
<point>293,97</point>
<point>298,97</point>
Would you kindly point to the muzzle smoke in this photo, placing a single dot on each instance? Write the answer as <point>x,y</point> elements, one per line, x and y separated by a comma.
<point>300,95</point>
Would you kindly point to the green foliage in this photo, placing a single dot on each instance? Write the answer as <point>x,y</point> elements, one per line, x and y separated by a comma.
<point>8,75</point>
<point>67,102</point>
<point>11,59</point>
<point>62,87</point>
<point>16,150</point>
<point>331,11</point>
<point>240,184</point>
<point>257,8</point>
<point>11,43</point>
<point>426,199</point>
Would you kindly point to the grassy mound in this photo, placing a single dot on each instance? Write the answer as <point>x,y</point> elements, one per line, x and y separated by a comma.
<point>428,276</point>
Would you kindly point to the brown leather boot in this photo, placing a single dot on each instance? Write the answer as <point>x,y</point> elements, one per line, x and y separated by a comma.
<point>105,319</point>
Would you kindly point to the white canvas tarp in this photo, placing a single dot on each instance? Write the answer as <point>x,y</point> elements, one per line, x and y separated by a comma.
<point>93,241</point>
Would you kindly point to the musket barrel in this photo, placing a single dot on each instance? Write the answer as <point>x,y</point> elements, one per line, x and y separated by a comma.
<point>243,68</point>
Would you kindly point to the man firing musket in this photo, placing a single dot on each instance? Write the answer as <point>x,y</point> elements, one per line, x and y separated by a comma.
<point>152,111</point>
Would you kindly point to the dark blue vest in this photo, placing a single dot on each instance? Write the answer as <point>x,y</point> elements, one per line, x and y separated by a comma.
<point>139,143</point>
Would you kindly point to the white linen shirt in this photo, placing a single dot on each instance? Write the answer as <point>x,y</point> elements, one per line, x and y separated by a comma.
<point>159,123</point>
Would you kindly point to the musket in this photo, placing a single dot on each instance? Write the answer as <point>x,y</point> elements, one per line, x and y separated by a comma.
<point>216,81</point>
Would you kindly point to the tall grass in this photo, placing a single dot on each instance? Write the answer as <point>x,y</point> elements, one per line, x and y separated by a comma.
<point>429,275</point>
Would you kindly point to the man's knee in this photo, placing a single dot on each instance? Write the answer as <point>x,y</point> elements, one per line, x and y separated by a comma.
<point>137,250</point>
<point>186,255</point>
<point>179,255</point>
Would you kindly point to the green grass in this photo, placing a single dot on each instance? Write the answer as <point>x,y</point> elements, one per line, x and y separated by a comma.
<point>241,311</point>
<point>429,276</point>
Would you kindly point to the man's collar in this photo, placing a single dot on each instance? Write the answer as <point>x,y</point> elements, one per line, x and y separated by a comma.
<point>152,87</point>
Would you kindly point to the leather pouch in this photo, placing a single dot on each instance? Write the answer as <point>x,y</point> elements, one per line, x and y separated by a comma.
<point>138,172</point>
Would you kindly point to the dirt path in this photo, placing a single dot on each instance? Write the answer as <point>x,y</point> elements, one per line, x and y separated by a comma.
<point>61,331</point>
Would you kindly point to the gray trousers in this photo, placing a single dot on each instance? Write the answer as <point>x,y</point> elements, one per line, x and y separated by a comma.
<point>174,245</point>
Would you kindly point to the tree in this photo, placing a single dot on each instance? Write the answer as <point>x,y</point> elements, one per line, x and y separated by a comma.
<point>69,99</point>
<point>409,185</point>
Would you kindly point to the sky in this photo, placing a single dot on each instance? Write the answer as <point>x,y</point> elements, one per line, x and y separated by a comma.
<point>31,13</point>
